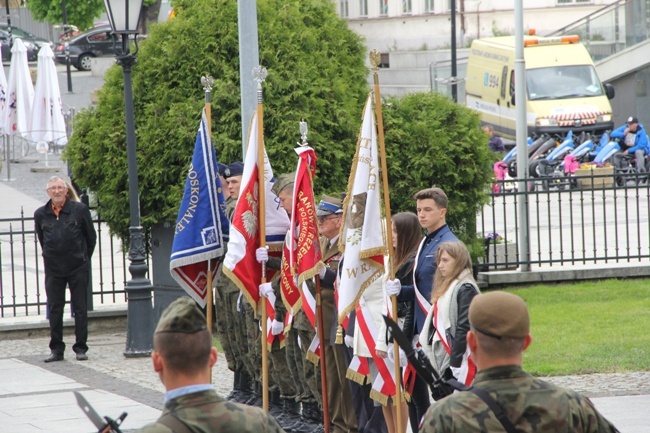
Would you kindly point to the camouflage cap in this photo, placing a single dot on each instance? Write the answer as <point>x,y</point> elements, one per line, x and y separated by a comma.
<point>499,314</point>
<point>329,205</point>
<point>283,181</point>
<point>182,315</point>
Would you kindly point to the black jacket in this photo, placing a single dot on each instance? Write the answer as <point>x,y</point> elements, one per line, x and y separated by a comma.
<point>68,241</point>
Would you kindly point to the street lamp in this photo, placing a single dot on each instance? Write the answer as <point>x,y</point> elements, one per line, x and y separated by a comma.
<point>123,16</point>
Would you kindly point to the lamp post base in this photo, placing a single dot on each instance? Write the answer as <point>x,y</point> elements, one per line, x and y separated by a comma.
<point>139,290</point>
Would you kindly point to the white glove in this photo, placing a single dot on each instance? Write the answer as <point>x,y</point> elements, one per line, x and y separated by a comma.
<point>455,371</point>
<point>262,255</point>
<point>266,289</point>
<point>393,287</point>
<point>321,272</point>
<point>277,327</point>
<point>403,360</point>
<point>349,341</point>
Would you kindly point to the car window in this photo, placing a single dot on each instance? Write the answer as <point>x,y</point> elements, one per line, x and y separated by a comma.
<point>100,37</point>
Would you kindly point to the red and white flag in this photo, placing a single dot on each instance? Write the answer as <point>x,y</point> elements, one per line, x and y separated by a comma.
<point>305,254</point>
<point>383,386</point>
<point>362,237</point>
<point>240,264</point>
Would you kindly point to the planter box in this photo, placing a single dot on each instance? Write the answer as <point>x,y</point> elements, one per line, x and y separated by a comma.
<point>586,177</point>
<point>501,253</point>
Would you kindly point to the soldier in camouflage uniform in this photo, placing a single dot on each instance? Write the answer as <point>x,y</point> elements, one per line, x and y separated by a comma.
<point>497,342</point>
<point>183,356</point>
<point>297,367</point>
<point>231,323</point>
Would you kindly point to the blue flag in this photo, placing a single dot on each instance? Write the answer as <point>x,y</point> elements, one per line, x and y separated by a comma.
<point>202,226</point>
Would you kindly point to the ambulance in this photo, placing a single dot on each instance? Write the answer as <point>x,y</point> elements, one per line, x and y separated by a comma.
<point>563,91</point>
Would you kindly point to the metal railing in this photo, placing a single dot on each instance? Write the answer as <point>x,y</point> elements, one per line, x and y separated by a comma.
<point>612,28</point>
<point>596,219</point>
<point>22,281</point>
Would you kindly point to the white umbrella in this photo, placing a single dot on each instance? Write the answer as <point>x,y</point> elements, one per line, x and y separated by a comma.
<point>3,94</point>
<point>20,94</point>
<point>47,117</point>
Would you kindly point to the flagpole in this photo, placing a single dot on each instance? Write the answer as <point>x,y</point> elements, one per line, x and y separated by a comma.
<point>375,59</point>
<point>207,81</point>
<point>319,315</point>
<point>259,74</point>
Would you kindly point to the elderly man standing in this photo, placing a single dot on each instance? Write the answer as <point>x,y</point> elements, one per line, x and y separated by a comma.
<point>65,231</point>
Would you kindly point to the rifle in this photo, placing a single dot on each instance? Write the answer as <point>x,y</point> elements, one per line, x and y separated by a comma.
<point>104,425</point>
<point>439,386</point>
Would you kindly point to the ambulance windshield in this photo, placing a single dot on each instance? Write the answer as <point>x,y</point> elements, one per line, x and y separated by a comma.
<point>562,82</point>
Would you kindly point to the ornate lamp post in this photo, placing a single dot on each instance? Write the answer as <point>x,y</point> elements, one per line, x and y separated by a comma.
<point>123,16</point>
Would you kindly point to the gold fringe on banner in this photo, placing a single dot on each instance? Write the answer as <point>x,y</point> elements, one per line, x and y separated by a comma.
<point>311,356</point>
<point>359,378</point>
<point>379,397</point>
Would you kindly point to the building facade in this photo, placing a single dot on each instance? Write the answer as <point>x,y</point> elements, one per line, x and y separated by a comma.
<point>407,25</point>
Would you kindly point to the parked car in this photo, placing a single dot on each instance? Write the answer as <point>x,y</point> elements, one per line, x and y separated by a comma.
<point>32,43</point>
<point>96,42</point>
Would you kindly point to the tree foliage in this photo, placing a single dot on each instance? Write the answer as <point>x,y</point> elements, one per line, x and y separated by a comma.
<point>80,13</point>
<point>432,141</point>
<point>316,73</point>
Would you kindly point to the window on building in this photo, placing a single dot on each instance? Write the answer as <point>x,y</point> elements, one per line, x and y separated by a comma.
<point>363,8</point>
<point>565,2</point>
<point>407,6</point>
<point>383,7</point>
<point>428,5</point>
<point>343,8</point>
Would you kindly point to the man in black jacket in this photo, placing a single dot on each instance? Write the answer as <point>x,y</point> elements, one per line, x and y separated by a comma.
<point>67,236</point>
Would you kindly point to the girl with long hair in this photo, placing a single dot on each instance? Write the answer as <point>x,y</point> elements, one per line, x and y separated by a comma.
<point>407,235</point>
<point>446,325</point>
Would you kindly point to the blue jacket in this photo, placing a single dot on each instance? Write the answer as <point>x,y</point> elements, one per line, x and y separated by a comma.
<point>424,272</point>
<point>640,143</point>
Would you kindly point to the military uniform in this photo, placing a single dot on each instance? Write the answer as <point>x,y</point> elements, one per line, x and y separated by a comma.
<point>531,404</point>
<point>192,405</point>
<point>206,411</point>
<point>226,306</point>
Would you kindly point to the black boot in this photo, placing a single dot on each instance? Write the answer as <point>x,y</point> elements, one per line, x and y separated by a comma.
<point>256,397</point>
<point>290,414</point>
<point>235,387</point>
<point>275,404</point>
<point>309,421</point>
<point>245,390</point>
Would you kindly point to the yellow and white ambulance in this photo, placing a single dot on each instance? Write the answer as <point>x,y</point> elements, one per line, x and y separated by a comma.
<point>563,91</point>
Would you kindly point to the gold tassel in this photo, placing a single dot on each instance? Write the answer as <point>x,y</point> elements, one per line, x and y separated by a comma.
<point>339,335</point>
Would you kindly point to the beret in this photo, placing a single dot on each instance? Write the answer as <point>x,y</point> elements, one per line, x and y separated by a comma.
<point>234,169</point>
<point>499,314</point>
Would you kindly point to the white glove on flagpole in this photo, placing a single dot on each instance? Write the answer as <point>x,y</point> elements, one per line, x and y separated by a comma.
<point>349,341</point>
<point>393,287</point>
<point>277,327</point>
<point>321,272</point>
<point>262,255</point>
<point>266,289</point>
